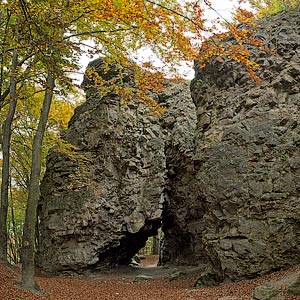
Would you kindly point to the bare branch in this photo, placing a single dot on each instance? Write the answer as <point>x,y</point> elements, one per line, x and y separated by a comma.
<point>176,13</point>
<point>94,32</point>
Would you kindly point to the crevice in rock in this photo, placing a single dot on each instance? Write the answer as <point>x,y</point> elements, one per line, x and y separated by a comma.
<point>129,246</point>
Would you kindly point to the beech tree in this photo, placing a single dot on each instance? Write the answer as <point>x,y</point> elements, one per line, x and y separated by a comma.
<point>8,96</point>
<point>6,137</point>
<point>28,242</point>
<point>55,31</point>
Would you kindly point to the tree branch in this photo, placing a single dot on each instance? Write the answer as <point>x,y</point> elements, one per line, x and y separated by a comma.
<point>213,9</point>
<point>93,32</point>
<point>176,13</point>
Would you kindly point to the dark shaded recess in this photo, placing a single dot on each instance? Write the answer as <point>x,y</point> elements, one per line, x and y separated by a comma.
<point>129,246</point>
<point>178,247</point>
<point>179,242</point>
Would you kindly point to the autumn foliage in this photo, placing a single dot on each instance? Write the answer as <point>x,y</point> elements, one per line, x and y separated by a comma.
<point>56,33</point>
<point>269,7</point>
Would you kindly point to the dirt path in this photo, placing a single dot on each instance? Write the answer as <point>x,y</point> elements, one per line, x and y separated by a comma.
<point>120,285</point>
<point>149,261</point>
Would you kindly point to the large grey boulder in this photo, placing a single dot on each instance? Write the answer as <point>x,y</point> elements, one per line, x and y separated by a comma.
<point>100,204</point>
<point>266,292</point>
<point>247,156</point>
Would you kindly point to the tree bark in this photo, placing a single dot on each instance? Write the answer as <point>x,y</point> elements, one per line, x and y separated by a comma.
<point>29,231</point>
<point>155,245</point>
<point>15,243</point>
<point>6,139</point>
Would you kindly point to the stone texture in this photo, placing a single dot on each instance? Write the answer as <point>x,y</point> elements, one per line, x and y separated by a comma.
<point>139,278</point>
<point>247,156</point>
<point>294,288</point>
<point>183,210</point>
<point>264,292</point>
<point>207,279</point>
<point>226,190</point>
<point>98,207</point>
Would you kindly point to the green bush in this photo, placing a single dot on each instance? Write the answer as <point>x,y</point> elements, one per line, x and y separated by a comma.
<point>271,7</point>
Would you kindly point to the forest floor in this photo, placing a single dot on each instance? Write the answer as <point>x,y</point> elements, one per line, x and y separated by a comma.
<point>122,284</point>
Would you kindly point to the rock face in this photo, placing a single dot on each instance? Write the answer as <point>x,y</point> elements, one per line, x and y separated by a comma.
<point>247,156</point>
<point>182,222</point>
<point>98,207</point>
<point>226,192</point>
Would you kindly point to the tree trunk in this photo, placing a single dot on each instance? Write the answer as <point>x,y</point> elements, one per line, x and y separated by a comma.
<point>29,232</point>
<point>15,243</point>
<point>6,138</point>
<point>155,245</point>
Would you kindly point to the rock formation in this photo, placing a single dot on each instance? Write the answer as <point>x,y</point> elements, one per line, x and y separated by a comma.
<point>183,210</point>
<point>247,156</point>
<point>99,206</point>
<point>226,191</point>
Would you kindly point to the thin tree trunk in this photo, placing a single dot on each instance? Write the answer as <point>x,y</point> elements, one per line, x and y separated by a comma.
<point>14,229</point>
<point>155,245</point>
<point>6,138</point>
<point>29,232</point>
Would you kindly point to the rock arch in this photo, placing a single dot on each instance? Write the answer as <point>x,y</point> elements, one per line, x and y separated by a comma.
<point>226,190</point>
<point>99,207</point>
